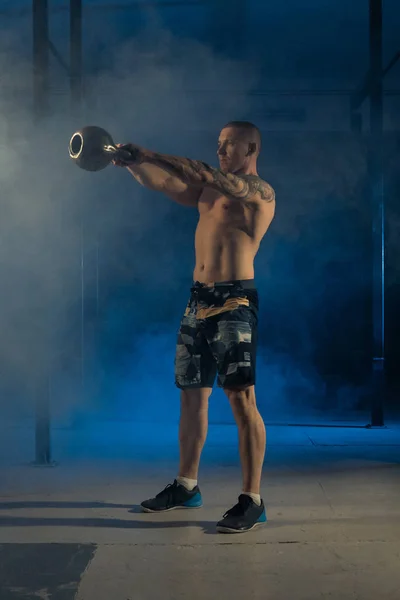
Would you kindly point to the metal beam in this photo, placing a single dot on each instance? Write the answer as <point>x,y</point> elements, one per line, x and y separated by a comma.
<point>358,97</point>
<point>391,63</point>
<point>76,59</point>
<point>58,57</point>
<point>21,12</point>
<point>42,423</point>
<point>40,23</point>
<point>376,187</point>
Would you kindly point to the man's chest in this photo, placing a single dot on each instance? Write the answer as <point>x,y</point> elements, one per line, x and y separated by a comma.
<point>215,203</point>
<point>227,215</point>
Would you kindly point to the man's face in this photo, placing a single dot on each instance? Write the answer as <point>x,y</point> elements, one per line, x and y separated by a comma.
<point>232,150</point>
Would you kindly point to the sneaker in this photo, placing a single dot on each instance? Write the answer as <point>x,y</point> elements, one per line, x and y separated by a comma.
<point>173,496</point>
<point>245,515</point>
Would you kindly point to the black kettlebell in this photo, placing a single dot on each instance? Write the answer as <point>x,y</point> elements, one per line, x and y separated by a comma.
<point>92,148</point>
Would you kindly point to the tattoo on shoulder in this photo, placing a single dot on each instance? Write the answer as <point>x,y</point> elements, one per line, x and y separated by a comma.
<point>261,187</point>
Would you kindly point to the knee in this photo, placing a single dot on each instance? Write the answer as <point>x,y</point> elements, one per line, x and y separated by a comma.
<point>242,401</point>
<point>195,400</point>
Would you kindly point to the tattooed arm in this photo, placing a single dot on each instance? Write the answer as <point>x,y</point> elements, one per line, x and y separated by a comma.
<point>197,174</point>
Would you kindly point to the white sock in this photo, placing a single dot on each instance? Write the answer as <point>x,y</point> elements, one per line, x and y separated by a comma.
<point>187,483</point>
<point>255,497</point>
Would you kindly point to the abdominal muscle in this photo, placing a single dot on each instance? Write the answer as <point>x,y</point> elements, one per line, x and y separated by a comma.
<point>223,252</point>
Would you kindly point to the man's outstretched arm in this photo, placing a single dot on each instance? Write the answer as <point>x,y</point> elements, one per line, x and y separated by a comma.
<point>199,174</point>
<point>158,179</point>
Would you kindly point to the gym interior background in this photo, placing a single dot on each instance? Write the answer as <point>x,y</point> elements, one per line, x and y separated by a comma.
<point>96,270</point>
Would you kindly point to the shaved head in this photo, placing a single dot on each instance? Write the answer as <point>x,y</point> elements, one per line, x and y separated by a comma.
<point>239,145</point>
<point>248,131</point>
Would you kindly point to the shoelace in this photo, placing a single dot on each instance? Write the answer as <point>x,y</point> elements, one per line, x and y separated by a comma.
<point>167,491</point>
<point>239,508</point>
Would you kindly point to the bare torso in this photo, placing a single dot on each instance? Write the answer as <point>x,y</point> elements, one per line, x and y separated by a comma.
<point>228,236</point>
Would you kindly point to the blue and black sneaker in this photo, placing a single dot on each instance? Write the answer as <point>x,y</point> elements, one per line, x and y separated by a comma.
<point>245,515</point>
<point>173,496</point>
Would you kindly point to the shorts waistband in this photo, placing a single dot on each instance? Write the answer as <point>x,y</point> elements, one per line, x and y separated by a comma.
<point>246,284</point>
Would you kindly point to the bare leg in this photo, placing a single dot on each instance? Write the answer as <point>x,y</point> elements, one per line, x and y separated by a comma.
<point>193,428</point>
<point>252,436</point>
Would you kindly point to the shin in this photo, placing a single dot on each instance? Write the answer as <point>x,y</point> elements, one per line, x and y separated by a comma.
<point>252,436</point>
<point>193,427</point>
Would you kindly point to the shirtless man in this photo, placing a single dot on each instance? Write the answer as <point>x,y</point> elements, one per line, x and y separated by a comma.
<point>218,332</point>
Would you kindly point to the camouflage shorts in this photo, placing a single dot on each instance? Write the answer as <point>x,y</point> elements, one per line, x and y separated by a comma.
<point>218,335</point>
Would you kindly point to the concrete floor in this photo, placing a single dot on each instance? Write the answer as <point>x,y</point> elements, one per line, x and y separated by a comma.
<point>75,531</point>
